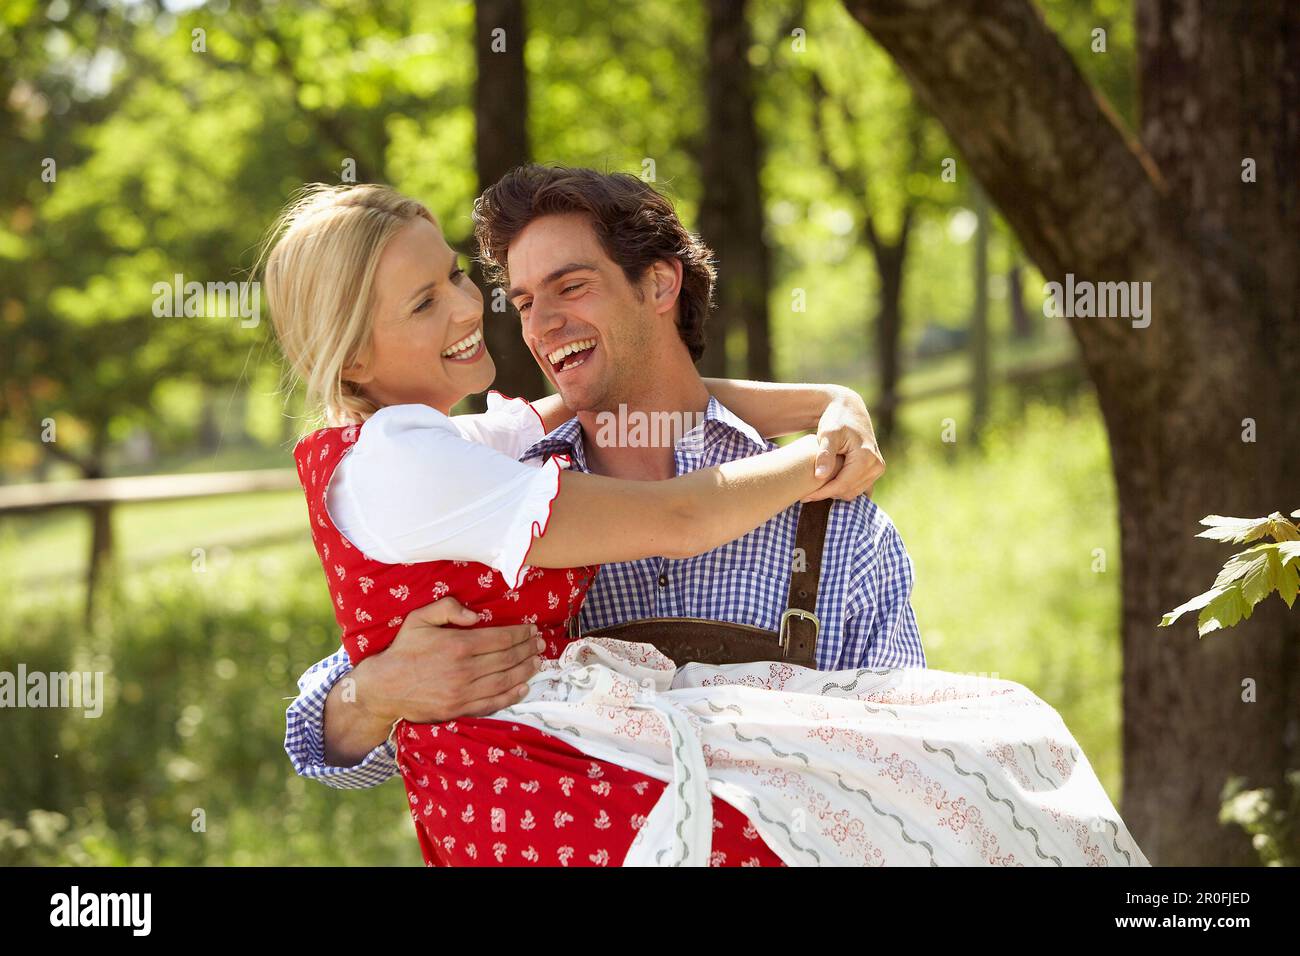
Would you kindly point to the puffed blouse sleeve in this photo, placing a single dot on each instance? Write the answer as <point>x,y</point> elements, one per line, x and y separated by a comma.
<point>413,488</point>
<point>510,425</point>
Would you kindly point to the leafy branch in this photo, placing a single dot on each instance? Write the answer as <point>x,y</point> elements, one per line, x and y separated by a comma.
<point>1250,576</point>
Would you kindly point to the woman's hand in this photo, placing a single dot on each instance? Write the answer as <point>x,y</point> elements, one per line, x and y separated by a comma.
<point>845,429</point>
<point>842,421</point>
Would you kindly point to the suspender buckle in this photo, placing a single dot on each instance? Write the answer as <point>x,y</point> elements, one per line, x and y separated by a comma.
<point>785,626</point>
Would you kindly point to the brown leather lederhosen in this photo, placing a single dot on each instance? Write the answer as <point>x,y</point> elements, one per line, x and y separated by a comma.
<point>720,642</point>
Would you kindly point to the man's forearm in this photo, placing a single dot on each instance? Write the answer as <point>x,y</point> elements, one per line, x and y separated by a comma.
<point>777,409</point>
<point>351,731</point>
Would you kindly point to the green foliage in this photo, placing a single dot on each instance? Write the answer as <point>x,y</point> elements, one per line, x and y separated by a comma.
<point>198,670</point>
<point>1245,530</point>
<point>1016,559</point>
<point>1273,822</point>
<point>175,161</point>
<point>49,548</point>
<point>601,94</point>
<point>1112,72</point>
<point>1249,576</point>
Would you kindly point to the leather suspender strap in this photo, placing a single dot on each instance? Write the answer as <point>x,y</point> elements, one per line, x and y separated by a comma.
<point>721,642</point>
<point>799,623</point>
<point>809,539</point>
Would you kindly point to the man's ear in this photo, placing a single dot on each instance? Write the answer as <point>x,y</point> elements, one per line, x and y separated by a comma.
<point>665,283</point>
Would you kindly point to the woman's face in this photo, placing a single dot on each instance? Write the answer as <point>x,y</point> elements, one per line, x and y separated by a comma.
<point>427,342</point>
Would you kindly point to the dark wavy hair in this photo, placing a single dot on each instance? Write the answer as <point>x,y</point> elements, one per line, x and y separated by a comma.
<point>635,224</point>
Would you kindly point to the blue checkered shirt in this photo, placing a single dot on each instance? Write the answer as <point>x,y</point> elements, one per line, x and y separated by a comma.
<point>863,597</point>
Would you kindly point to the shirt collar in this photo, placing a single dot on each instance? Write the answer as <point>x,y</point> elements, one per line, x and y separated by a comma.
<point>566,439</point>
<point>717,412</point>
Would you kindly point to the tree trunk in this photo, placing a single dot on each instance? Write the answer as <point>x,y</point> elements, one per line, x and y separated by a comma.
<point>731,211</point>
<point>889,326</point>
<point>101,552</point>
<point>100,556</point>
<point>1219,85</point>
<point>889,256</point>
<point>209,437</point>
<point>500,144</point>
<point>1022,326</point>
<point>980,377</point>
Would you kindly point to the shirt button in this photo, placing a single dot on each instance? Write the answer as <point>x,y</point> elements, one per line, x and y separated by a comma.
<point>663,580</point>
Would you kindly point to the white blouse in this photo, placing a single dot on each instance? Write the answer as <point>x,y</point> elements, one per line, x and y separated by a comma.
<point>421,486</point>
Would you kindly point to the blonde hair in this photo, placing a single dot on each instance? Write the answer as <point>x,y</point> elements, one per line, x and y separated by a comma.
<point>319,269</point>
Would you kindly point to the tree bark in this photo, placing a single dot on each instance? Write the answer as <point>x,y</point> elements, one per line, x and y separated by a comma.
<point>500,144</point>
<point>1022,326</point>
<point>100,557</point>
<point>1220,84</point>
<point>980,373</point>
<point>209,430</point>
<point>101,553</point>
<point>731,211</point>
<point>890,259</point>
<point>889,326</point>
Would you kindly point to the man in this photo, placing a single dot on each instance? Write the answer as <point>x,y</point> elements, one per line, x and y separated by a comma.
<point>612,293</point>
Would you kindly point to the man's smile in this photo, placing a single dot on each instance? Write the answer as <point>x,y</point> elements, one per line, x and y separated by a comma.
<point>569,356</point>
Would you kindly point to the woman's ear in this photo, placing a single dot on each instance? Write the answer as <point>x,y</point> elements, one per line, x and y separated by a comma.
<point>665,283</point>
<point>358,373</point>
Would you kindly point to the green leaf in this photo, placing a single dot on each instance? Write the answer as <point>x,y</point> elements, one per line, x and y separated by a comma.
<point>1249,576</point>
<point>1283,530</point>
<point>1243,530</point>
<point>1288,580</point>
<point>1239,565</point>
<point>1261,578</point>
<point>1233,530</point>
<point>1225,610</point>
<point>1195,604</point>
<point>1289,551</point>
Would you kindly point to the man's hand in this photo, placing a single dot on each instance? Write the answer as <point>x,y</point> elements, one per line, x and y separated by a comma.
<point>845,429</point>
<point>430,673</point>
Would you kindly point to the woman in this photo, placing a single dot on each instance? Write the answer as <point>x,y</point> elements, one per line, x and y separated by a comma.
<point>409,504</point>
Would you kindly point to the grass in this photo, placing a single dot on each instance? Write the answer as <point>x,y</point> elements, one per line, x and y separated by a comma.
<point>199,667</point>
<point>52,549</point>
<point>185,765</point>
<point>1016,556</point>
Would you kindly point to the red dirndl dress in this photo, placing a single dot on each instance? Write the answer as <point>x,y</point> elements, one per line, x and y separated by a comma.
<point>487,792</point>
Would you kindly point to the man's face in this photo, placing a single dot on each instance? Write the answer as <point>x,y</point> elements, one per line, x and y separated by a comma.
<point>583,321</point>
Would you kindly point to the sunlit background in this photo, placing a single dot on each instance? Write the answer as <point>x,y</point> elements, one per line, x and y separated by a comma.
<point>171,160</point>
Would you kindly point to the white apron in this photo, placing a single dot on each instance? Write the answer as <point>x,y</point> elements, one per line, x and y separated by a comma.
<point>908,766</point>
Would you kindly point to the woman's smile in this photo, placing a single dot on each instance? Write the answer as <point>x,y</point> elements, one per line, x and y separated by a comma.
<point>469,349</point>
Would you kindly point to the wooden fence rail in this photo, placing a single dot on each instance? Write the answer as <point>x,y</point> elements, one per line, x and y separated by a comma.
<point>90,492</point>
<point>1013,375</point>
<point>99,495</point>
